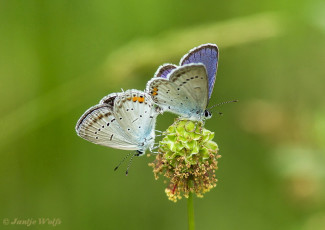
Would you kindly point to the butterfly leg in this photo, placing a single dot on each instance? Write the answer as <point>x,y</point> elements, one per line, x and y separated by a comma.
<point>155,152</point>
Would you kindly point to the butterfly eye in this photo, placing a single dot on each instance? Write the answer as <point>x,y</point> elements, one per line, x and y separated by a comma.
<point>207,114</point>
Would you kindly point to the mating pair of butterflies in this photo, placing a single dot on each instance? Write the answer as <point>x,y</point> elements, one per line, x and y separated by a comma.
<point>127,120</point>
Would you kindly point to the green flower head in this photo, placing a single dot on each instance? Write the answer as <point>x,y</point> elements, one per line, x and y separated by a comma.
<point>187,158</point>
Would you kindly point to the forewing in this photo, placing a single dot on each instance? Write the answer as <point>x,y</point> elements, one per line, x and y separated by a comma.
<point>164,70</point>
<point>136,114</point>
<point>184,93</point>
<point>207,54</point>
<point>192,79</point>
<point>98,125</point>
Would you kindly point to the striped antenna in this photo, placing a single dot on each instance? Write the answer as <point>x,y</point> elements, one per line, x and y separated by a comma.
<point>225,102</point>
<point>127,156</point>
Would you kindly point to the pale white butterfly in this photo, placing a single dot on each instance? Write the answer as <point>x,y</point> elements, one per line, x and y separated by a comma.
<point>186,89</point>
<point>123,120</point>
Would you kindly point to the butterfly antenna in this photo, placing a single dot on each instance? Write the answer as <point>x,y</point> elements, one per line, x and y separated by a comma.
<point>127,156</point>
<point>127,169</point>
<point>225,102</point>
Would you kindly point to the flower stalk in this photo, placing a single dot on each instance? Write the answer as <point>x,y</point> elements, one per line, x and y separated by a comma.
<point>190,212</point>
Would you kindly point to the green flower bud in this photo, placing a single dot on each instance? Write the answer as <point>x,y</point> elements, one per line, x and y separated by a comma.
<point>187,158</point>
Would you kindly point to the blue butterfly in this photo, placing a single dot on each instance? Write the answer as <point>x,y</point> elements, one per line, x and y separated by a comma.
<point>186,89</point>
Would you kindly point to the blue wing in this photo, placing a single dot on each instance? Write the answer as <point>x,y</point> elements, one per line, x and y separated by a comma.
<point>164,70</point>
<point>208,54</point>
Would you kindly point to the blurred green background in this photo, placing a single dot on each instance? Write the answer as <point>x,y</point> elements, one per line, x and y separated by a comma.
<point>58,58</point>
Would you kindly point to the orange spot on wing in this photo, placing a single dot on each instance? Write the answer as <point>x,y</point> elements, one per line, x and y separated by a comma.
<point>134,99</point>
<point>155,89</point>
<point>154,93</point>
<point>141,99</point>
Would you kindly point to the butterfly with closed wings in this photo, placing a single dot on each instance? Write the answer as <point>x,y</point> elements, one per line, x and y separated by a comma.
<point>186,89</point>
<point>123,120</point>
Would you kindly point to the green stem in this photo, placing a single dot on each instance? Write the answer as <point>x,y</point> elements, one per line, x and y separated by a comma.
<point>190,211</point>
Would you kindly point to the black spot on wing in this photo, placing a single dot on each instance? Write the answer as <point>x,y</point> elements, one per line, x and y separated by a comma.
<point>110,101</point>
